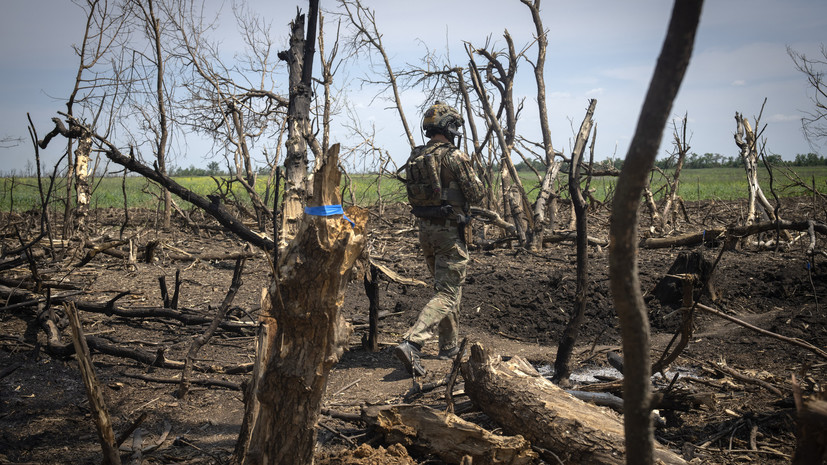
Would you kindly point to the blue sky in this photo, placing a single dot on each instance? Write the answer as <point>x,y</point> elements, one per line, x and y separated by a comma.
<point>597,49</point>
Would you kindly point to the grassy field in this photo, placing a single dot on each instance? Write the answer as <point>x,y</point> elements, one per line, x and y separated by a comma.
<point>21,194</point>
<point>731,183</point>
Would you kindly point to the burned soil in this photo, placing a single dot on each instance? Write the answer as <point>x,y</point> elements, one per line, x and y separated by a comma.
<point>515,302</point>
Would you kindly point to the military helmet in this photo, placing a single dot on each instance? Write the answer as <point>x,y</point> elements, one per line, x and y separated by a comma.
<point>442,118</point>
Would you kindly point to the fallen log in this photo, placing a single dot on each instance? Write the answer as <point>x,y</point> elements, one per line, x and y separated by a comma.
<point>711,235</point>
<point>517,397</point>
<point>446,435</point>
<point>100,414</point>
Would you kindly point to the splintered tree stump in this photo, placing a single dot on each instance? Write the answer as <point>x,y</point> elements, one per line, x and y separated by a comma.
<point>694,266</point>
<point>446,435</point>
<point>513,394</point>
<point>306,333</point>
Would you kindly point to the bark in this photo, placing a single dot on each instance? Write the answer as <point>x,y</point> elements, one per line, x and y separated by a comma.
<point>83,192</point>
<point>514,395</point>
<point>311,334</point>
<point>572,331</point>
<point>623,266</point>
<point>252,406</point>
<point>298,127</point>
<point>446,435</point>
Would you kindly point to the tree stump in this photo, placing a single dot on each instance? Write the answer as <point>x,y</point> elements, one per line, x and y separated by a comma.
<point>306,334</point>
<point>692,265</point>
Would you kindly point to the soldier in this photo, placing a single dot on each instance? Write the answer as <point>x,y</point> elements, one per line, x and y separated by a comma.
<point>441,186</point>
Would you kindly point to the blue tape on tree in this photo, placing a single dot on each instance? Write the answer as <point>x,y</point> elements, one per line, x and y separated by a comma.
<point>328,210</point>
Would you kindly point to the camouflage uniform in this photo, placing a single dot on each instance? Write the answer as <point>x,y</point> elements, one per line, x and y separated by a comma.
<point>444,247</point>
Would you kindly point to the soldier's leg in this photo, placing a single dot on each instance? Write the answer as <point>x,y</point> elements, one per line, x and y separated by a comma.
<point>450,262</point>
<point>448,328</point>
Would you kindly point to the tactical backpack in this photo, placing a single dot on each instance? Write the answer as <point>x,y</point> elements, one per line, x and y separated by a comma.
<point>423,181</point>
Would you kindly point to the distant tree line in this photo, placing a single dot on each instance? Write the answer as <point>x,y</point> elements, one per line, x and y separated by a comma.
<point>213,169</point>
<point>707,160</point>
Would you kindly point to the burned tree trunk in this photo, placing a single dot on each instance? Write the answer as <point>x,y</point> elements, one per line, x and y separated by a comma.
<point>623,265</point>
<point>518,398</point>
<point>310,333</point>
<point>299,59</point>
<point>561,364</point>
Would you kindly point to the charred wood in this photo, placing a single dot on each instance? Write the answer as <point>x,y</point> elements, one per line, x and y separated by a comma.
<point>446,435</point>
<point>518,398</point>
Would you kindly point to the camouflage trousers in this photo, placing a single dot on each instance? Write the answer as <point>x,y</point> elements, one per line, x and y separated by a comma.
<point>447,258</point>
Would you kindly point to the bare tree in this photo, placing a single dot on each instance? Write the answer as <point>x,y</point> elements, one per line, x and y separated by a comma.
<point>666,214</point>
<point>154,110</point>
<point>623,270</point>
<point>746,138</point>
<point>223,102</point>
<point>501,77</point>
<point>104,31</point>
<point>567,342</point>
<point>299,58</point>
<point>367,37</point>
<point>814,123</point>
<point>546,193</point>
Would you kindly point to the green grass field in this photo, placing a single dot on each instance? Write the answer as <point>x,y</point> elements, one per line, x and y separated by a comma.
<point>21,194</point>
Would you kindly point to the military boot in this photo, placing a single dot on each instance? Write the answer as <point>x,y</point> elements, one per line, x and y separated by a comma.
<point>448,354</point>
<point>408,353</point>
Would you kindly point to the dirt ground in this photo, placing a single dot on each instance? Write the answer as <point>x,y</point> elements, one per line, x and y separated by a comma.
<point>515,302</point>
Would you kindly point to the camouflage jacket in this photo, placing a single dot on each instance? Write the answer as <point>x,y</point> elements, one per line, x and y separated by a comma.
<point>440,174</point>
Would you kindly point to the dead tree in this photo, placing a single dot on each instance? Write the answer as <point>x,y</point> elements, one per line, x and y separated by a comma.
<point>102,32</point>
<point>623,271</point>
<point>813,123</point>
<point>94,393</point>
<point>155,67</point>
<point>747,141</point>
<point>216,210</point>
<point>234,114</point>
<point>306,332</point>
<point>299,58</point>
<point>666,215</point>
<point>567,342</point>
<point>502,78</point>
<point>546,193</point>
<point>367,37</point>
